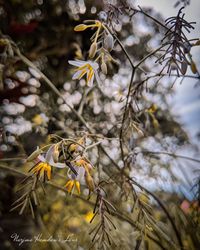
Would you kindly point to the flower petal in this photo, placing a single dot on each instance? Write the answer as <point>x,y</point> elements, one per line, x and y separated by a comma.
<point>57,165</point>
<point>94,65</point>
<point>77,184</point>
<point>90,78</point>
<point>41,158</point>
<point>77,63</point>
<point>81,173</point>
<point>49,154</point>
<point>77,75</point>
<point>69,185</point>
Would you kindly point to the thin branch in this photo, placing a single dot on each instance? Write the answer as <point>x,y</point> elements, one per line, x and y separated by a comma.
<point>149,55</point>
<point>172,155</point>
<point>124,115</point>
<point>129,91</point>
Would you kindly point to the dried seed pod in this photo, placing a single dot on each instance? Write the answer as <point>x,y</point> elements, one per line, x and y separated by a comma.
<point>184,66</point>
<point>93,50</point>
<point>104,68</point>
<point>108,42</point>
<point>193,67</point>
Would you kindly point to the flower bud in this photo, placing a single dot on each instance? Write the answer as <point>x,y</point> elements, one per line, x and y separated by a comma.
<point>55,153</point>
<point>108,42</point>
<point>104,68</point>
<point>80,27</point>
<point>184,66</point>
<point>103,16</point>
<point>174,66</point>
<point>193,67</point>
<point>89,181</point>
<point>93,50</point>
<point>187,47</point>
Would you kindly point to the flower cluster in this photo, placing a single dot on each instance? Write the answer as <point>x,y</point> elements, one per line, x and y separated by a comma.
<point>67,154</point>
<point>102,44</point>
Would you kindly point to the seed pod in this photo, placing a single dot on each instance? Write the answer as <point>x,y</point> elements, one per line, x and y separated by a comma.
<point>187,47</point>
<point>193,67</point>
<point>108,42</point>
<point>184,66</point>
<point>55,153</point>
<point>80,27</point>
<point>93,50</point>
<point>104,68</point>
<point>89,181</point>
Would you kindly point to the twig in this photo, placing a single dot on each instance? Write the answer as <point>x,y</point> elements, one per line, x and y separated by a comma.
<point>172,155</point>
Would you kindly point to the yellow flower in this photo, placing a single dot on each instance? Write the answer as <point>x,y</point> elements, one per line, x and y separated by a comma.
<point>42,169</point>
<point>71,184</point>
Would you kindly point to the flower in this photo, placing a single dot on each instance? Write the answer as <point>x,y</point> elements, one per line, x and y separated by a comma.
<point>85,67</point>
<point>42,169</point>
<point>51,156</point>
<point>74,180</point>
<point>82,162</point>
<point>71,184</point>
<point>45,162</point>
